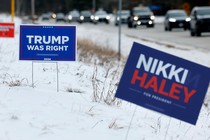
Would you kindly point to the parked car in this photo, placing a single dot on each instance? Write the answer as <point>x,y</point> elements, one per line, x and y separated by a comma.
<point>85,16</point>
<point>60,17</point>
<point>101,16</point>
<point>176,19</point>
<point>124,17</point>
<point>73,16</point>
<point>200,20</point>
<point>141,16</point>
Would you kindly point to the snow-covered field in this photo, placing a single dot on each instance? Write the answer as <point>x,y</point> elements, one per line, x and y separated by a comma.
<point>42,113</point>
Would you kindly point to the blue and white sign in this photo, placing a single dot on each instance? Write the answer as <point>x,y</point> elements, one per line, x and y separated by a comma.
<point>164,83</point>
<point>48,43</point>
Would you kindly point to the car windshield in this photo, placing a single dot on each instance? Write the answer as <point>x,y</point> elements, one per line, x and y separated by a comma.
<point>85,13</point>
<point>60,15</point>
<point>205,11</point>
<point>75,13</point>
<point>140,11</point>
<point>124,13</point>
<point>101,13</point>
<point>178,14</point>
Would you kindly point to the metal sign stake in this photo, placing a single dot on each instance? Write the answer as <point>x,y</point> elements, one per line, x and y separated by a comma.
<point>129,127</point>
<point>57,75</point>
<point>32,74</point>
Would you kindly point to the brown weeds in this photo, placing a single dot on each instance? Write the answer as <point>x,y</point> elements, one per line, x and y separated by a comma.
<point>90,51</point>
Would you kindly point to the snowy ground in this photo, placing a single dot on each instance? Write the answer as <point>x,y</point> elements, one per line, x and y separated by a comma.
<point>42,113</point>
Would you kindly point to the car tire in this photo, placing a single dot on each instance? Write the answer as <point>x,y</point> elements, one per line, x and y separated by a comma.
<point>198,33</point>
<point>166,29</point>
<point>130,25</point>
<point>192,33</point>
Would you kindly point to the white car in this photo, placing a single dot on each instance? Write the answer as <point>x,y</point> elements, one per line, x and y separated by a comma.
<point>101,16</point>
<point>60,17</point>
<point>124,17</point>
<point>73,16</point>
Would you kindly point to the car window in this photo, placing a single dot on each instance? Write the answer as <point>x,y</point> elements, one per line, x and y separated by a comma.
<point>60,15</point>
<point>142,10</point>
<point>177,14</point>
<point>75,13</point>
<point>85,13</point>
<point>205,11</point>
<point>101,13</point>
<point>124,13</point>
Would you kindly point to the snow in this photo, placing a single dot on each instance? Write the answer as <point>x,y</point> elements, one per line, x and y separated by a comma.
<point>42,113</point>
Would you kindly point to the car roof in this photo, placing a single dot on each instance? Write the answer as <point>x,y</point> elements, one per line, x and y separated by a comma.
<point>141,8</point>
<point>175,11</point>
<point>198,8</point>
<point>202,7</point>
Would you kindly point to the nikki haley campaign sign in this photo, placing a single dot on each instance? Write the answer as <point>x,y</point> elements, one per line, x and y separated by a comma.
<point>164,83</point>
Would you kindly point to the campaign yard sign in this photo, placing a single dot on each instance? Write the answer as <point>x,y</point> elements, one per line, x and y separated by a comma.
<point>47,43</point>
<point>7,29</point>
<point>164,83</point>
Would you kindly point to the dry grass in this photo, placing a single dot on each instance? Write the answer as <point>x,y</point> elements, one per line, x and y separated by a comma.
<point>104,87</point>
<point>90,51</point>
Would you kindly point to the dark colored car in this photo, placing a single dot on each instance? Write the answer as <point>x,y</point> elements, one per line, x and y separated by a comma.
<point>101,16</point>
<point>141,16</point>
<point>124,17</point>
<point>176,19</point>
<point>200,20</point>
<point>85,16</point>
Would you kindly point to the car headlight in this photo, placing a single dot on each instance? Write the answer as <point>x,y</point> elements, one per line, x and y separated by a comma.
<point>152,17</point>
<point>138,22</point>
<point>92,17</point>
<point>70,17</point>
<point>53,15</point>
<point>81,17</point>
<point>187,19</point>
<point>172,20</point>
<point>135,18</point>
<point>107,17</point>
<point>96,18</point>
<point>150,22</point>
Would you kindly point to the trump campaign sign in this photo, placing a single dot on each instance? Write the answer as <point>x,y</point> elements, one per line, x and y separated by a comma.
<point>48,43</point>
<point>7,29</point>
<point>164,83</point>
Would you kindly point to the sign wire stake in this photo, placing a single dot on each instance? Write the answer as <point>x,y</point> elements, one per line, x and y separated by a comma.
<point>57,77</point>
<point>167,128</point>
<point>126,137</point>
<point>32,74</point>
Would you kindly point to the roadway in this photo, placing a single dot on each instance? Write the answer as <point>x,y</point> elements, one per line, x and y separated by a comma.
<point>157,34</point>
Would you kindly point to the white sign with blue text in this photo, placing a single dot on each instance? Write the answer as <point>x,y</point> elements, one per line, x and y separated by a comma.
<point>47,43</point>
